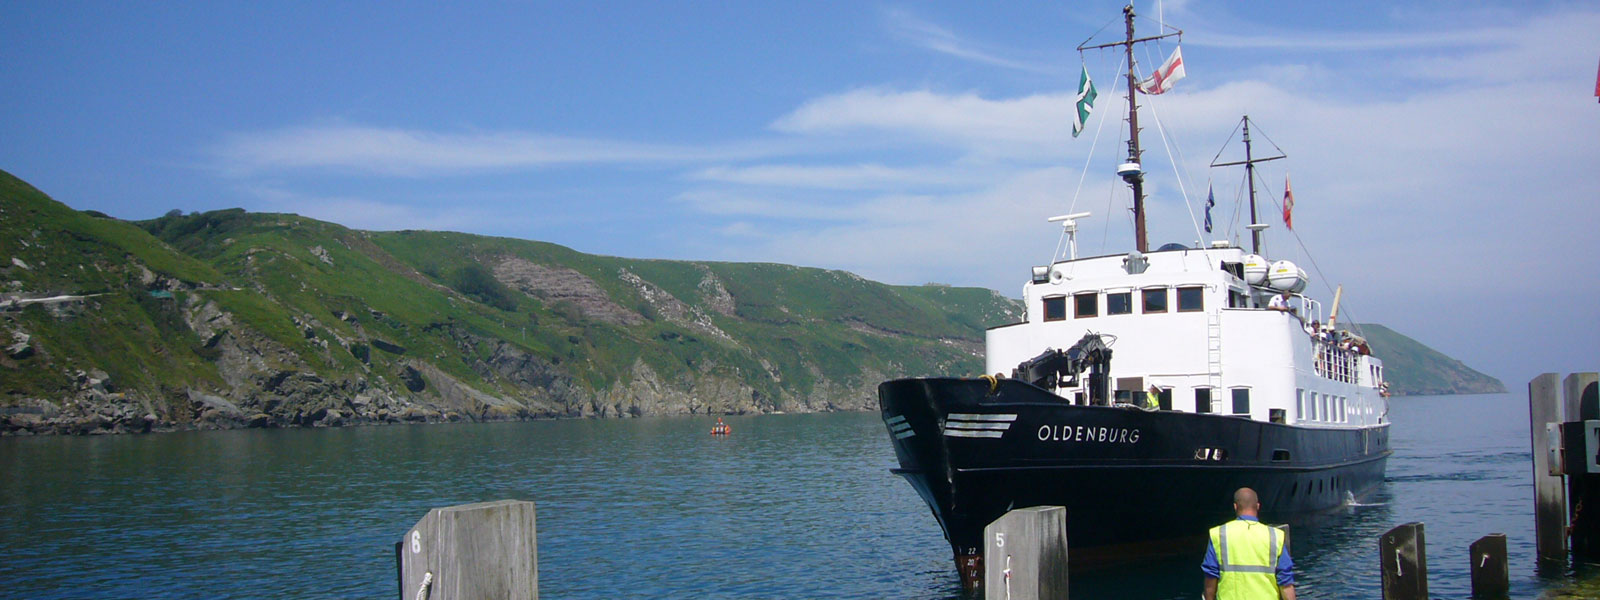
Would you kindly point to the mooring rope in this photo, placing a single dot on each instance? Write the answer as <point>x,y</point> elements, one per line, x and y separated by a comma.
<point>427,582</point>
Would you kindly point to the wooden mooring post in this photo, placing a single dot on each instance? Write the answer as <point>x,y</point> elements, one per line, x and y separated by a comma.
<point>1403,560</point>
<point>1564,421</point>
<point>1491,578</point>
<point>471,551</point>
<point>1025,555</point>
<point>1545,415</point>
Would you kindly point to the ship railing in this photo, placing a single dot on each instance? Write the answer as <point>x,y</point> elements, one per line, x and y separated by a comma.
<point>1337,363</point>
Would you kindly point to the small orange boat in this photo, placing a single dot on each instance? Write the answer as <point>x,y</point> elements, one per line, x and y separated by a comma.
<point>721,428</point>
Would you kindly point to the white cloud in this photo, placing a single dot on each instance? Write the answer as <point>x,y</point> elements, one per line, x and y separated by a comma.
<point>929,36</point>
<point>1353,41</point>
<point>1016,126</point>
<point>842,177</point>
<point>406,152</point>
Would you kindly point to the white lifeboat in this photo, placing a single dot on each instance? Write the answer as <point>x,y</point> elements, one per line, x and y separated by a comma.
<point>1255,269</point>
<point>1285,276</point>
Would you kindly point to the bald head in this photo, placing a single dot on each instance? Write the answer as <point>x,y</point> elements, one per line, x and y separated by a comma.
<point>1245,502</point>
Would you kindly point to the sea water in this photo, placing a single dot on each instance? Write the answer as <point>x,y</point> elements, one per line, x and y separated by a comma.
<point>789,506</point>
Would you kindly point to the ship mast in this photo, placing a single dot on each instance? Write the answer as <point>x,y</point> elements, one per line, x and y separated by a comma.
<point>1133,175</point>
<point>1249,163</point>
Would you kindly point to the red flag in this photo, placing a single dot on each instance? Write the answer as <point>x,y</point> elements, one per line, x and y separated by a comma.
<point>1288,204</point>
<point>1597,85</point>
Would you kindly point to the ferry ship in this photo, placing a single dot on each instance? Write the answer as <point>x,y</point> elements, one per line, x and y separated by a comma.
<point>1141,389</point>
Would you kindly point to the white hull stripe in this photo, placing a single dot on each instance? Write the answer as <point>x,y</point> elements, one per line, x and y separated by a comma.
<point>980,417</point>
<point>976,425</point>
<point>960,425</point>
<point>973,434</point>
<point>899,427</point>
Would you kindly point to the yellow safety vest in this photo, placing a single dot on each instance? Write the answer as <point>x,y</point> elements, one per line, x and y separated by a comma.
<point>1151,400</point>
<point>1247,552</point>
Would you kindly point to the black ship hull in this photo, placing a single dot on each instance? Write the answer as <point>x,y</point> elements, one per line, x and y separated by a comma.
<point>1134,482</point>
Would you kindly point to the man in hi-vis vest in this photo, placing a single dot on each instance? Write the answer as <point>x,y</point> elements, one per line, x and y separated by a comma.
<point>1246,559</point>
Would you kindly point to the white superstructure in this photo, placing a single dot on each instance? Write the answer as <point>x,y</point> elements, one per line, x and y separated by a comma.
<point>1187,322</point>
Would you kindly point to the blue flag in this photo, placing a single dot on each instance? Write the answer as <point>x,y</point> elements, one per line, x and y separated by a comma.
<point>1211,200</point>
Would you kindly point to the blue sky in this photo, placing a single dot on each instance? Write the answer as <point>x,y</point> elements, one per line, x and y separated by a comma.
<point>1445,155</point>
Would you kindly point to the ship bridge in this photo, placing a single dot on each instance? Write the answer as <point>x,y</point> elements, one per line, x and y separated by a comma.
<point>1189,322</point>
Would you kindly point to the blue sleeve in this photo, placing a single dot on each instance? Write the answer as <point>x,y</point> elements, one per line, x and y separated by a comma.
<point>1285,569</point>
<point>1209,565</point>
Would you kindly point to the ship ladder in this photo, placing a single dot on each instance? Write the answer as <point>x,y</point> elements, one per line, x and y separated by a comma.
<point>1214,356</point>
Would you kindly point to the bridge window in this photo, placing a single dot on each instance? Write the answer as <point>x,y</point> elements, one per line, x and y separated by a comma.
<point>1202,400</point>
<point>1241,401</point>
<point>1191,299</point>
<point>1086,305</point>
<point>1120,303</point>
<point>1055,308</point>
<point>1155,300</point>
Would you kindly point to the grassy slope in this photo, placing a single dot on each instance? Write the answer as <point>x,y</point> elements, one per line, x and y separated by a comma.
<point>793,329</point>
<point>797,320</point>
<point>139,340</point>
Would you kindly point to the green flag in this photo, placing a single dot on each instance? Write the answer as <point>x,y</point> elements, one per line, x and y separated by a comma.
<point>1086,95</point>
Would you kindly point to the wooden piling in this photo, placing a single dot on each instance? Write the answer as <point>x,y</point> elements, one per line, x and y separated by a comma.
<point>483,550</point>
<point>1403,559</point>
<point>1025,555</point>
<point>1550,495</point>
<point>1582,441</point>
<point>1491,578</point>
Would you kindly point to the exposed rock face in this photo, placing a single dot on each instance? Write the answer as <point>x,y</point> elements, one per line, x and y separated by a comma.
<point>413,379</point>
<point>557,284</point>
<point>321,254</point>
<point>717,296</point>
<point>673,310</point>
<point>21,346</point>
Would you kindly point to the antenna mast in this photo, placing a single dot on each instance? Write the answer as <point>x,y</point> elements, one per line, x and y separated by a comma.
<point>1249,163</point>
<point>1130,171</point>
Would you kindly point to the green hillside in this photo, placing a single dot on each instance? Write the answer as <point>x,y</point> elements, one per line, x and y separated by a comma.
<point>228,318</point>
<point>1413,369</point>
<point>235,319</point>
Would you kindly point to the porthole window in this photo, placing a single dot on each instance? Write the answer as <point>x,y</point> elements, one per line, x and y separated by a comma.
<point>1055,308</point>
<point>1191,299</point>
<point>1120,303</point>
<point>1155,300</point>
<point>1086,305</point>
<point>1241,401</point>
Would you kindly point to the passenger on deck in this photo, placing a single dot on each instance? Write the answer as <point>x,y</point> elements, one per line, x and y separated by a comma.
<point>1280,302</point>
